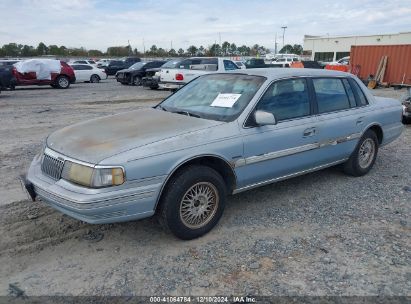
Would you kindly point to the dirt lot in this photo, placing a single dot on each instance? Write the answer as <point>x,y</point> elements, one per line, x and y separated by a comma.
<point>320,234</point>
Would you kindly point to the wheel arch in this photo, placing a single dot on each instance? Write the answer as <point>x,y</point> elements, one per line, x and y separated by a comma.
<point>377,129</point>
<point>215,162</point>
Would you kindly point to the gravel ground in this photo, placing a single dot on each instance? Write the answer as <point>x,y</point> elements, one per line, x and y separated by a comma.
<point>324,233</point>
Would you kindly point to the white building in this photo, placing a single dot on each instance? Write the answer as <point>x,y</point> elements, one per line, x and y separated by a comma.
<point>332,48</point>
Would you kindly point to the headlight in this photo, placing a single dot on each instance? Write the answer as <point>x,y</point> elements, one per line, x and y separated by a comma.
<point>92,177</point>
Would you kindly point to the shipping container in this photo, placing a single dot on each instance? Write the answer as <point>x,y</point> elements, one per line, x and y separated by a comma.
<point>367,57</point>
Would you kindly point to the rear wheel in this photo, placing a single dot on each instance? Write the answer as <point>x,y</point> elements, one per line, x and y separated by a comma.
<point>193,202</point>
<point>62,82</point>
<point>94,78</point>
<point>363,158</point>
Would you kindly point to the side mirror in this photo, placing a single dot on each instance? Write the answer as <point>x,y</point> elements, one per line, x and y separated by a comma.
<point>263,118</point>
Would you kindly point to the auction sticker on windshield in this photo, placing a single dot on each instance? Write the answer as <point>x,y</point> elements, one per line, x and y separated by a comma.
<point>225,100</point>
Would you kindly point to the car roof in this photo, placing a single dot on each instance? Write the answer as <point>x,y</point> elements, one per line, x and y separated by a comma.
<point>276,73</point>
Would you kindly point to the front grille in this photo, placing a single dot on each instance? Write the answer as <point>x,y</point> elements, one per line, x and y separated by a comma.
<point>52,166</point>
<point>120,75</point>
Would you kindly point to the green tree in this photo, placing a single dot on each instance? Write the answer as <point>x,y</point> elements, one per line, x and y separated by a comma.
<point>42,49</point>
<point>180,52</point>
<point>11,49</point>
<point>214,50</point>
<point>201,51</point>
<point>233,49</point>
<point>161,52</point>
<point>297,49</point>
<point>54,50</point>
<point>287,49</point>
<point>225,47</point>
<point>95,53</point>
<point>172,53</point>
<point>28,51</point>
<point>192,50</point>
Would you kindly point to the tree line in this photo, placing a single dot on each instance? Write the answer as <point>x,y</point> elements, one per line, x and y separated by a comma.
<point>225,49</point>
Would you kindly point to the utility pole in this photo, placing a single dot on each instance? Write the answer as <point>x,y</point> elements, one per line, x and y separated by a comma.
<point>275,44</point>
<point>171,45</point>
<point>283,27</point>
<point>130,52</point>
<point>144,48</point>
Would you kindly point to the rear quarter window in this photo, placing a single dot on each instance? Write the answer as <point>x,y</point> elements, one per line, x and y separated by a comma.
<point>359,94</point>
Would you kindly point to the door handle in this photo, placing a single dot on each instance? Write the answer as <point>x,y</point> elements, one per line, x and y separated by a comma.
<point>309,132</point>
<point>360,120</point>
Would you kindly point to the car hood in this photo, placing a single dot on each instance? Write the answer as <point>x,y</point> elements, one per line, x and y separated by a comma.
<point>95,140</point>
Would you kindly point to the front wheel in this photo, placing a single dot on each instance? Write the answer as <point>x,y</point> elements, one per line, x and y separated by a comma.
<point>193,202</point>
<point>363,158</point>
<point>137,81</point>
<point>62,82</point>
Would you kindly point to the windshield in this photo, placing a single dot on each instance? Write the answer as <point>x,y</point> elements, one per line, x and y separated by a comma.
<point>217,96</point>
<point>137,66</point>
<point>172,64</point>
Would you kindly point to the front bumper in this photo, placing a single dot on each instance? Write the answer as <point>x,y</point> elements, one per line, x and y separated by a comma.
<point>131,201</point>
<point>150,82</point>
<point>123,77</point>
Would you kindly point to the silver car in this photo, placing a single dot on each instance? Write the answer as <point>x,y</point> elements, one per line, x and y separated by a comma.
<point>220,134</point>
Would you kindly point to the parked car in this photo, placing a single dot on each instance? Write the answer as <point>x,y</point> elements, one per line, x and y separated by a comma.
<point>6,74</point>
<point>86,72</point>
<point>152,77</point>
<point>134,74</point>
<point>55,73</point>
<point>114,66</point>
<point>192,68</point>
<point>406,106</point>
<point>256,63</point>
<point>284,62</point>
<point>102,63</point>
<point>222,133</point>
<point>89,62</point>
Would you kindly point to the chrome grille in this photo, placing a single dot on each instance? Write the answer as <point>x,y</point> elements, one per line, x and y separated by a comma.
<point>52,166</point>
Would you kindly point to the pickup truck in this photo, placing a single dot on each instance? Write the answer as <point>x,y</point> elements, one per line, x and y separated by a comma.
<point>257,63</point>
<point>191,68</point>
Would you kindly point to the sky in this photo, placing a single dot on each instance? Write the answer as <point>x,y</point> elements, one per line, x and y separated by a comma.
<point>98,24</point>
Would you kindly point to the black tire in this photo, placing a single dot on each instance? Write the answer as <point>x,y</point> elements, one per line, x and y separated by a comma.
<point>405,120</point>
<point>173,208</point>
<point>124,83</point>
<point>154,87</point>
<point>359,164</point>
<point>137,81</point>
<point>94,78</point>
<point>62,82</point>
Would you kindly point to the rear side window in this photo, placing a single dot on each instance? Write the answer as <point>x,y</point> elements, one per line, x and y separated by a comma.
<point>359,94</point>
<point>286,99</point>
<point>330,94</point>
<point>87,67</point>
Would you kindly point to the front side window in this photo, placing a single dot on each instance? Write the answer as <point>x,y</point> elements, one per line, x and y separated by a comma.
<point>229,65</point>
<point>219,97</point>
<point>286,99</point>
<point>330,95</point>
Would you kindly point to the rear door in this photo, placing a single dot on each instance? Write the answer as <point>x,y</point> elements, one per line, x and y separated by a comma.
<point>339,119</point>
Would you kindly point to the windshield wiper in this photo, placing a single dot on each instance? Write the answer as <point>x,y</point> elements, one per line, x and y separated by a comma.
<point>188,114</point>
<point>161,107</point>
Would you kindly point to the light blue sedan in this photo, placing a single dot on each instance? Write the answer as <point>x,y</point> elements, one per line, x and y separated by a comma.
<point>220,134</point>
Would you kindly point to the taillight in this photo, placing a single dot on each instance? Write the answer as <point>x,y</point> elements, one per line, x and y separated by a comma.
<point>179,77</point>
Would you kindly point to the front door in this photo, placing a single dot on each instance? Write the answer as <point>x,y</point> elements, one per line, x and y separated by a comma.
<point>283,149</point>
